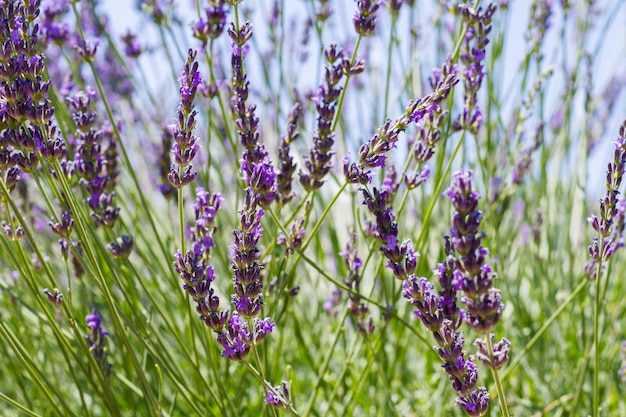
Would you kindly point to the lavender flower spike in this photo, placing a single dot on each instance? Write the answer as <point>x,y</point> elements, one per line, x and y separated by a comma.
<point>472,274</point>
<point>462,372</point>
<point>365,18</point>
<point>96,342</point>
<point>474,277</point>
<point>318,162</point>
<point>185,142</point>
<point>610,225</point>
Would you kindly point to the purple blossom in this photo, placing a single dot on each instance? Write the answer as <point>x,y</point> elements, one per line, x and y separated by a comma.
<point>365,18</point>
<point>132,47</point>
<point>256,164</point>
<point>478,23</point>
<point>318,162</point>
<point>293,240</point>
<point>185,144</point>
<point>96,342</point>
<point>278,396</point>
<point>359,312</point>
<point>434,312</point>
<point>212,26</point>
<point>90,162</point>
<point>476,403</point>
<point>238,339</point>
<point>610,225</point>
<point>473,276</point>
<point>428,116</point>
<point>287,166</point>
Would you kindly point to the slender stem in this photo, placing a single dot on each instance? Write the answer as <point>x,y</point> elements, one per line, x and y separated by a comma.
<point>496,379</point>
<point>596,327</point>
<point>325,365</point>
<point>269,386</point>
<point>392,36</point>
<point>544,327</point>
<point>345,86</point>
<point>181,217</point>
<point>17,405</point>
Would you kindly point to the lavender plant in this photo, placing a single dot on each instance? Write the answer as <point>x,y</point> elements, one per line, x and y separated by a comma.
<point>274,208</point>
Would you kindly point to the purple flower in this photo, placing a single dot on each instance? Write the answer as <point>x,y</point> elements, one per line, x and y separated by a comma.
<point>426,113</point>
<point>212,26</point>
<point>359,312</point>
<point>434,312</point>
<point>365,18</point>
<point>132,47</point>
<point>295,235</point>
<point>472,55</point>
<point>90,162</point>
<point>96,342</point>
<point>256,164</point>
<point>610,225</point>
<point>287,166</point>
<point>122,247</point>
<point>318,162</point>
<point>476,403</point>
<point>185,144</point>
<point>278,396</point>
<point>473,276</point>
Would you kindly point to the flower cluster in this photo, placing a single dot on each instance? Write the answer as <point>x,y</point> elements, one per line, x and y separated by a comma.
<point>90,163</point>
<point>448,294</point>
<point>121,247</point>
<point>214,24</point>
<point>164,162</point>
<point>425,112</point>
<point>473,276</point>
<point>205,208</point>
<point>365,18</point>
<point>402,258</point>
<point>26,127</point>
<point>287,166</point>
<point>431,310</point>
<point>358,310</point>
<point>132,47</point>
<point>610,225</point>
<point>53,30</point>
<point>63,229</point>
<point>185,144</point>
<point>464,269</point>
<point>279,396</point>
<point>295,234</point>
<point>247,268</point>
<point>192,266</point>
<point>472,55</point>
<point>318,162</point>
<point>235,331</point>
<point>256,165</point>
<point>96,342</point>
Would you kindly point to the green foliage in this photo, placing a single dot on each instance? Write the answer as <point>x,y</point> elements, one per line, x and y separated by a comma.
<point>545,98</point>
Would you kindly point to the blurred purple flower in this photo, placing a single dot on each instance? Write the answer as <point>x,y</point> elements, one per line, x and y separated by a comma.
<point>96,342</point>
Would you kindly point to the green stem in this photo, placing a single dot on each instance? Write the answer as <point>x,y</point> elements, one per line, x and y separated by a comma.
<point>392,35</point>
<point>496,378</point>
<point>596,331</point>
<point>345,86</point>
<point>544,327</point>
